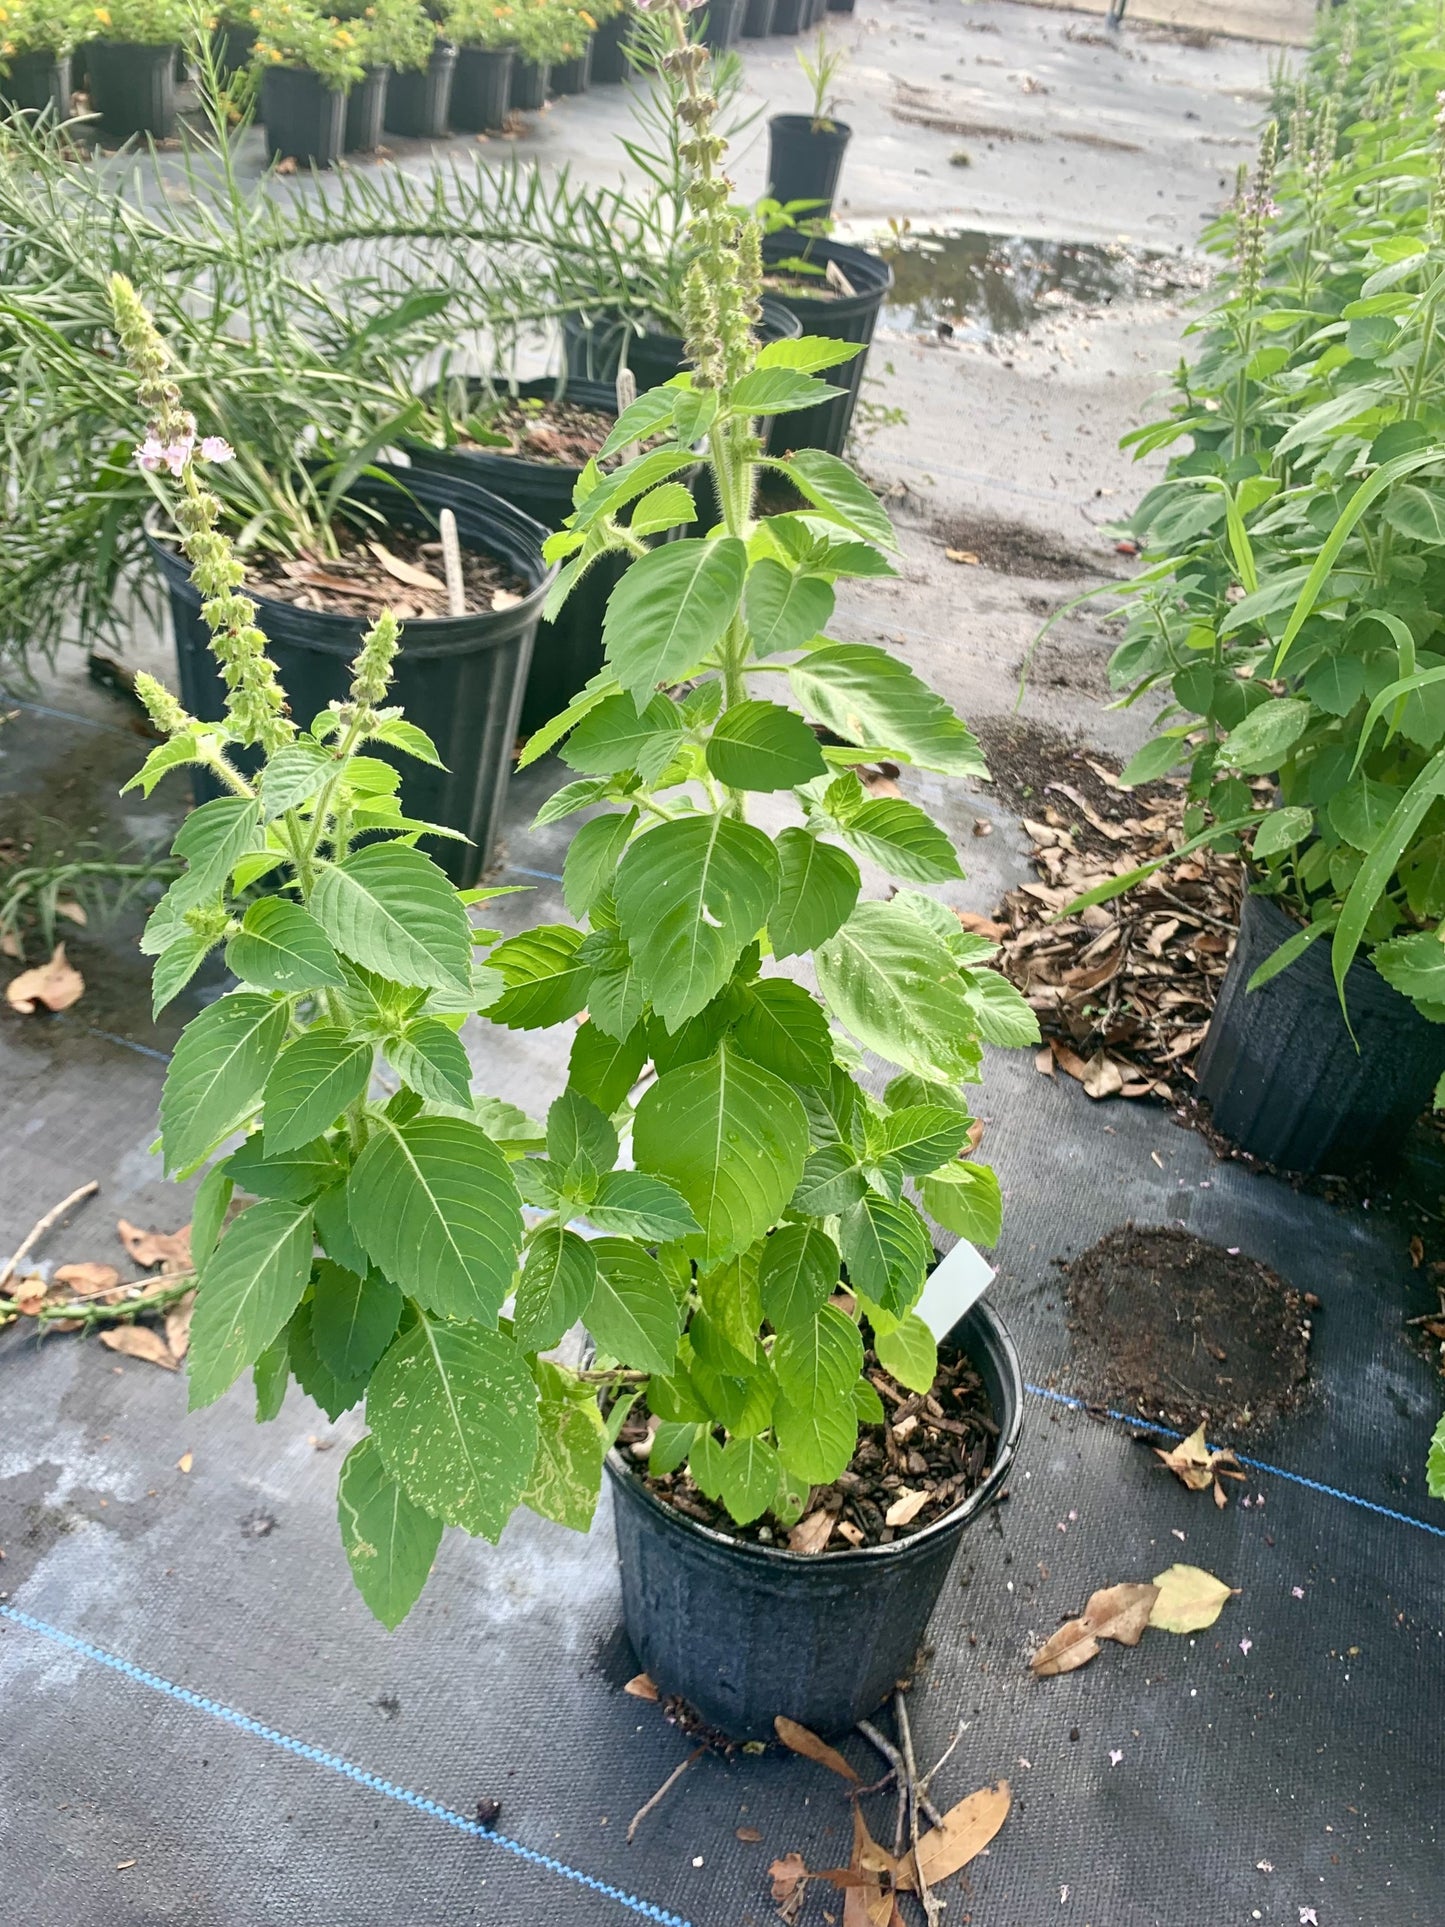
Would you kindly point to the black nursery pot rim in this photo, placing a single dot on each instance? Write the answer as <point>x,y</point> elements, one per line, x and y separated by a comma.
<point>780,1557</point>
<point>599,396</point>
<point>798,123</point>
<point>332,633</point>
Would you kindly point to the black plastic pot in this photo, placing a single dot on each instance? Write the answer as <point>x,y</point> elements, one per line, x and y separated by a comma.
<point>569,650</point>
<point>804,162</point>
<point>757,19</point>
<point>573,76</point>
<point>1278,1068</point>
<point>481,89</point>
<point>37,84</point>
<point>133,88</point>
<point>841,6</point>
<point>723,24</point>
<point>366,111</point>
<point>594,345</point>
<point>843,317</point>
<point>305,120</point>
<point>232,47</point>
<point>418,102</point>
<point>609,62</point>
<point>790,16</point>
<point>529,85</point>
<point>460,678</point>
<point>746,1632</point>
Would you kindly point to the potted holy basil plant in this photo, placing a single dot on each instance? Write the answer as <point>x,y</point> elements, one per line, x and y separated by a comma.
<point>768,1531</point>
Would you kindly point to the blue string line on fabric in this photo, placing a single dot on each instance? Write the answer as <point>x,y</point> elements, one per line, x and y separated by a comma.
<point>521,870</point>
<point>1258,1465</point>
<point>647,1909</point>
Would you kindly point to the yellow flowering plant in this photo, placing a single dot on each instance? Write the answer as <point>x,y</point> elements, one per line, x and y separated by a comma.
<point>291,33</point>
<point>136,23</point>
<point>480,23</point>
<point>391,33</point>
<point>38,27</point>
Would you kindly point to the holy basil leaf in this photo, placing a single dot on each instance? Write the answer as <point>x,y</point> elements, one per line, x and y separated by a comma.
<point>749,1477</point>
<point>216,1075</point>
<point>670,610</point>
<point>733,1139</point>
<point>763,746</point>
<point>785,609</point>
<point>392,910</point>
<point>580,1137</point>
<point>818,887</point>
<point>175,967</point>
<point>566,1478</point>
<point>281,946</point>
<point>832,486</point>
<point>592,858</point>
<point>887,1250</point>
<point>430,1057</point>
<point>908,1353</point>
<point>605,1068</point>
<point>453,1411</point>
<point>783,1028</point>
<point>316,1077</point>
<point>635,1205</point>
<point>293,775</point>
<point>870,698</point>
<point>390,1543</point>
<point>799,1269</point>
<point>690,895</point>
<point>213,839</point>
<point>547,981</point>
<point>353,1319</point>
<point>922,1136</point>
<point>895,834</point>
<point>965,1198</point>
<point>897,989</point>
<point>616,736</point>
<point>555,1288</point>
<point>251,1285</point>
<point>300,1174</point>
<point>633,1314</point>
<point>434,1203</point>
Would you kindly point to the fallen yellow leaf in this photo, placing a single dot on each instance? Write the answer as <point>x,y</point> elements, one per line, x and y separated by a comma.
<point>51,986</point>
<point>965,1831</point>
<point>1190,1600</point>
<point>185,1461</point>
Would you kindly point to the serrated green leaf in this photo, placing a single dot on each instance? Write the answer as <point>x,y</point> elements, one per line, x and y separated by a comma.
<point>216,1075</point>
<point>690,895</point>
<point>323,1386</point>
<point>1413,965</point>
<point>733,1139</point>
<point>249,1289</point>
<point>293,775</point>
<point>572,796</point>
<point>785,608</point>
<point>832,1181</point>
<point>872,699</point>
<point>896,835</point>
<point>1001,1013</point>
<point>1258,743</point>
<point>390,1543</point>
<point>705,1465</point>
<point>817,889</point>
<point>1360,811</point>
<point>670,609</point>
<point>923,1136</point>
<point>551,733</point>
<point>616,736</point>
<point>547,982</point>
<point>632,1313</point>
<point>403,735</point>
<point>640,420</point>
<point>780,391</point>
<point>430,1058</point>
<point>1281,830</point>
<point>815,1418</point>
<point>965,1198</point>
<point>298,1175</point>
<point>763,746</point>
<point>213,839</point>
<point>392,910</point>
<point>615,999</point>
<point>887,1250</point>
<point>434,1204</point>
<point>605,1068</point>
<point>1435,1463</point>
<point>783,1028</point>
<point>671,1443</point>
<point>281,946</point>
<point>453,1411</point>
<point>667,507</point>
<point>175,966</point>
<point>555,1288</point>
<point>809,353</point>
<point>750,1475</point>
<point>896,987</point>
<point>593,855</point>
<point>271,1378</point>
<point>315,1078</point>
<point>799,1269</point>
<point>566,1477</point>
<point>580,1136</point>
<point>831,486</point>
<point>353,1319</point>
<point>175,754</point>
<point>208,1213</point>
<point>633,1204</point>
<point>908,1353</point>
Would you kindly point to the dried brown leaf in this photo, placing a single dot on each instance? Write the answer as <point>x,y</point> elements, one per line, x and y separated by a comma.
<point>28,1294</point>
<point>982,926</point>
<point>1114,1612</point>
<point>406,572</point>
<point>178,1325</point>
<point>965,1831</point>
<point>1102,1076</point>
<point>185,1461</point>
<point>813,1533</point>
<point>799,1739</point>
<point>86,1279</point>
<point>139,1341</point>
<point>966,556</point>
<point>748,1835</point>
<point>1199,1468</point>
<point>642,1687</point>
<point>155,1247</point>
<point>1044,1061</point>
<point>50,986</point>
<point>790,1883</point>
<point>906,1507</point>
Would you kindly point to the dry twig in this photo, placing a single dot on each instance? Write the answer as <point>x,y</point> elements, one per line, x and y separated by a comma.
<point>38,1230</point>
<point>661,1793</point>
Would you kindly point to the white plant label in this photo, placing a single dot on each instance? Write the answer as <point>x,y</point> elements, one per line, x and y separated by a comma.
<point>954,1287</point>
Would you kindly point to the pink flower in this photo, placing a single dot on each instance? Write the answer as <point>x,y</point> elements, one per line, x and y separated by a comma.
<point>179,454</point>
<point>1308,1917</point>
<point>1244,1646</point>
<point>215,448</point>
<point>1115,1756</point>
<point>150,454</point>
<point>1298,1591</point>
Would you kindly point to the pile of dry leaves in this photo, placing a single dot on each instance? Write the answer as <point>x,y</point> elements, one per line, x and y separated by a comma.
<point>1124,991</point>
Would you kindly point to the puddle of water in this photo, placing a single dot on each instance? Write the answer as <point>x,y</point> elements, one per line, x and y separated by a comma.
<point>1002,284</point>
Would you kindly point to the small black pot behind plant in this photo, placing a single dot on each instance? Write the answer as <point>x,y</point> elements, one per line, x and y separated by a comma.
<point>481,89</point>
<point>530,79</point>
<point>569,650</point>
<point>609,61</point>
<point>366,111</point>
<point>418,102</point>
<point>37,84</point>
<point>133,88</point>
<point>305,120</point>
<point>573,76</point>
<point>790,16</point>
<point>757,19</point>
<point>460,678</point>
<point>232,48</point>
<point>841,317</point>
<point>745,1632</point>
<point>723,24</point>
<point>1280,1072</point>
<point>805,158</point>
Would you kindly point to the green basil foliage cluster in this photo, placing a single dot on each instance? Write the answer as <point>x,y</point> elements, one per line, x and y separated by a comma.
<point>716,1196</point>
<point>1291,604</point>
